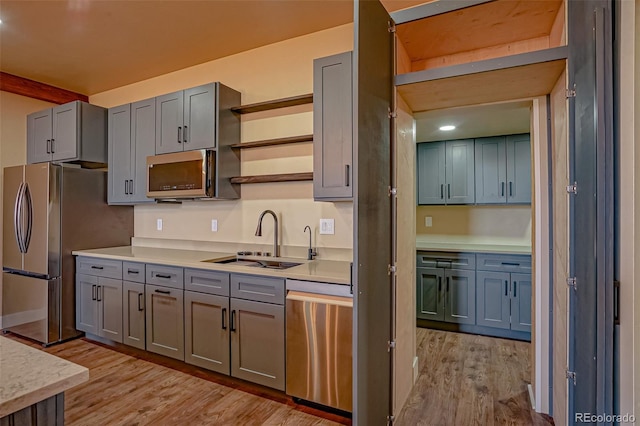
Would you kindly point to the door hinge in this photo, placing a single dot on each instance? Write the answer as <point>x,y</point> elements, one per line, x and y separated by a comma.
<point>390,269</point>
<point>390,420</point>
<point>393,191</point>
<point>571,282</point>
<point>391,26</point>
<point>573,188</point>
<point>391,344</point>
<point>571,375</point>
<point>392,114</point>
<point>571,93</point>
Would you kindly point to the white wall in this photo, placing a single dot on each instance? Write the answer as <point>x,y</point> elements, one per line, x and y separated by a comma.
<point>270,72</point>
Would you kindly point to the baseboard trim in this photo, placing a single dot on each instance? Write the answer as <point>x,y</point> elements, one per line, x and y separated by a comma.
<point>532,398</point>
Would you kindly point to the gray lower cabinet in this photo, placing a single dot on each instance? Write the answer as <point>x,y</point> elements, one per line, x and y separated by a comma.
<point>493,299</point>
<point>131,138</point>
<point>133,318</point>
<point>332,128</point>
<point>207,331</point>
<point>165,320</point>
<point>446,172</point>
<point>446,295</point>
<point>521,302</point>
<point>429,282</point>
<point>257,342</point>
<point>99,306</point>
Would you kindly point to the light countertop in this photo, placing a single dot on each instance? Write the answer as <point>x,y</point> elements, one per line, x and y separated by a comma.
<point>330,271</point>
<point>472,244</point>
<point>29,375</point>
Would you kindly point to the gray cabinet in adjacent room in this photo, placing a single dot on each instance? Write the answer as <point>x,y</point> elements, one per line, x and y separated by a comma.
<point>460,296</point>
<point>333,128</point>
<point>445,172</point>
<point>75,131</point>
<point>503,169</point>
<point>165,320</point>
<point>131,138</point>
<point>429,282</point>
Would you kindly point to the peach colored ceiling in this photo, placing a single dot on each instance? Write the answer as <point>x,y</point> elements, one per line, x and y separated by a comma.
<point>89,46</point>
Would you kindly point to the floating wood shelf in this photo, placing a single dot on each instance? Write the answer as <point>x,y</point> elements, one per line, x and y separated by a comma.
<point>271,142</point>
<point>286,177</point>
<point>275,104</point>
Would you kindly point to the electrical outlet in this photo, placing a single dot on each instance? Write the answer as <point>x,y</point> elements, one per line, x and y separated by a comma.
<point>214,225</point>
<point>159,224</point>
<point>428,221</point>
<point>327,226</point>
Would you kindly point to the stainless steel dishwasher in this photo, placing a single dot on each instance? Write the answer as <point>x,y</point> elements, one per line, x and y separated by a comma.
<point>319,349</point>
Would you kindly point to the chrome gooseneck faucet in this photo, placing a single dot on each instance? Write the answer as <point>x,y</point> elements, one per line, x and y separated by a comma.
<point>310,253</point>
<point>276,248</point>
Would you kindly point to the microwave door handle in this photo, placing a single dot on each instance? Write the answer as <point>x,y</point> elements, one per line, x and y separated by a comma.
<point>17,209</point>
<point>29,205</point>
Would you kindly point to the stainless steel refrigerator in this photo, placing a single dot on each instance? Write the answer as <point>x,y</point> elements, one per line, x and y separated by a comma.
<point>48,211</point>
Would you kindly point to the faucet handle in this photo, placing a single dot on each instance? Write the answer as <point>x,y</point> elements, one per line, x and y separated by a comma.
<point>311,254</point>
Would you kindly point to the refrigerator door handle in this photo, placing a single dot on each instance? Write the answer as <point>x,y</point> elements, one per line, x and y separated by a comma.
<point>17,215</point>
<point>29,205</point>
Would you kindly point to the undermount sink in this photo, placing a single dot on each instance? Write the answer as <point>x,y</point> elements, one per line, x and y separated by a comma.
<point>270,264</point>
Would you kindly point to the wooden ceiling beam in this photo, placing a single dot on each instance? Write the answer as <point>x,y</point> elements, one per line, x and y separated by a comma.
<point>34,89</point>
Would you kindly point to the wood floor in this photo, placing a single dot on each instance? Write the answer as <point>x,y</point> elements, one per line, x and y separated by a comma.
<point>470,380</point>
<point>126,390</point>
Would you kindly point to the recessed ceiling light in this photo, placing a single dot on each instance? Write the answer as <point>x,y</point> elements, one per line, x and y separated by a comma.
<point>447,128</point>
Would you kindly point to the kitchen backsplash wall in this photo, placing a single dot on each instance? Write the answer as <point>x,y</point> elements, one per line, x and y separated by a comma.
<point>502,222</point>
<point>275,71</point>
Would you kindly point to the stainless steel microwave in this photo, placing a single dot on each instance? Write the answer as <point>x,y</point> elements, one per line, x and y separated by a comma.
<point>188,174</point>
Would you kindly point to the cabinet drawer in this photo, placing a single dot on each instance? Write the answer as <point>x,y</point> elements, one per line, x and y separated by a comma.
<point>437,259</point>
<point>167,276</point>
<point>504,263</point>
<point>206,281</point>
<point>132,271</point>
<point>99,267</point>
<point>260,289</point>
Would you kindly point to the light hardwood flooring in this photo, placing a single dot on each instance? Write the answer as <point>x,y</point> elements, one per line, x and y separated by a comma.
<point>470,380</point>
<point>127,390</point>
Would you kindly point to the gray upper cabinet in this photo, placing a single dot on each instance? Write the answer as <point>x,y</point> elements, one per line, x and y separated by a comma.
<point>503,169</point>
<point>431,173</point>
<point>75,131</point>
<point>445,172</point>
<point>186,120</point>
<point>333,128</point>
<point>131,138</point>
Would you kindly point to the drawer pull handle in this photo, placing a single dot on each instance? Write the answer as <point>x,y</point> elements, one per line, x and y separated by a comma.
<point>140,306</point>
<point>97,267</point>
<point>168,277</point>
<point>224,318</point>
<point>163,291</point>
<point>132,271</point>
<point>510,264</point>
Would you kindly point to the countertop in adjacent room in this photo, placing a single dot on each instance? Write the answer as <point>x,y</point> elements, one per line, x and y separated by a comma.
<point>29,375</point>
<point>459,243</point>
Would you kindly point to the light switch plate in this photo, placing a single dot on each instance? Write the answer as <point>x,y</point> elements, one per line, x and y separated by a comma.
<point>159,224</point>
<point>214,225</point>
<point>428,221</point>
<point>327,227</point>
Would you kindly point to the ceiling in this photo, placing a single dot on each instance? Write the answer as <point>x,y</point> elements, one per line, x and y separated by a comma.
<point>89,46</point>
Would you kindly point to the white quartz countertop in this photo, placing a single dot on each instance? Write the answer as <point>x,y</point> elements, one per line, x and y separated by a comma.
<point>330,271</point>
<point>29,375</point>
<point>472,244</point>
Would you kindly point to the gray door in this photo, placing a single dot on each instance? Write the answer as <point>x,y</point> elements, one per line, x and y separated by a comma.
<point>491,169</point>
<point>373,238</point>
<point>39,131</point>
<point>493,300</point>
<point>460,296</point>
<point>169,116</point>
<point>518,169</point>
<point>521,302</point>
<point>110,309</point>
<point>66,131</point>
<point>206,331</point>
<point>257,342</point>
<point>431,173</point>
<point>591,246</point>
<point>333,126</point>
<point>199,117</point>
<point>119,143</point>
<point>143,137</point>
<point>460,171</point>
<point>87,303</point>
<point>133,318</point>
<point>429,293</point>
<point>165,321</point>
